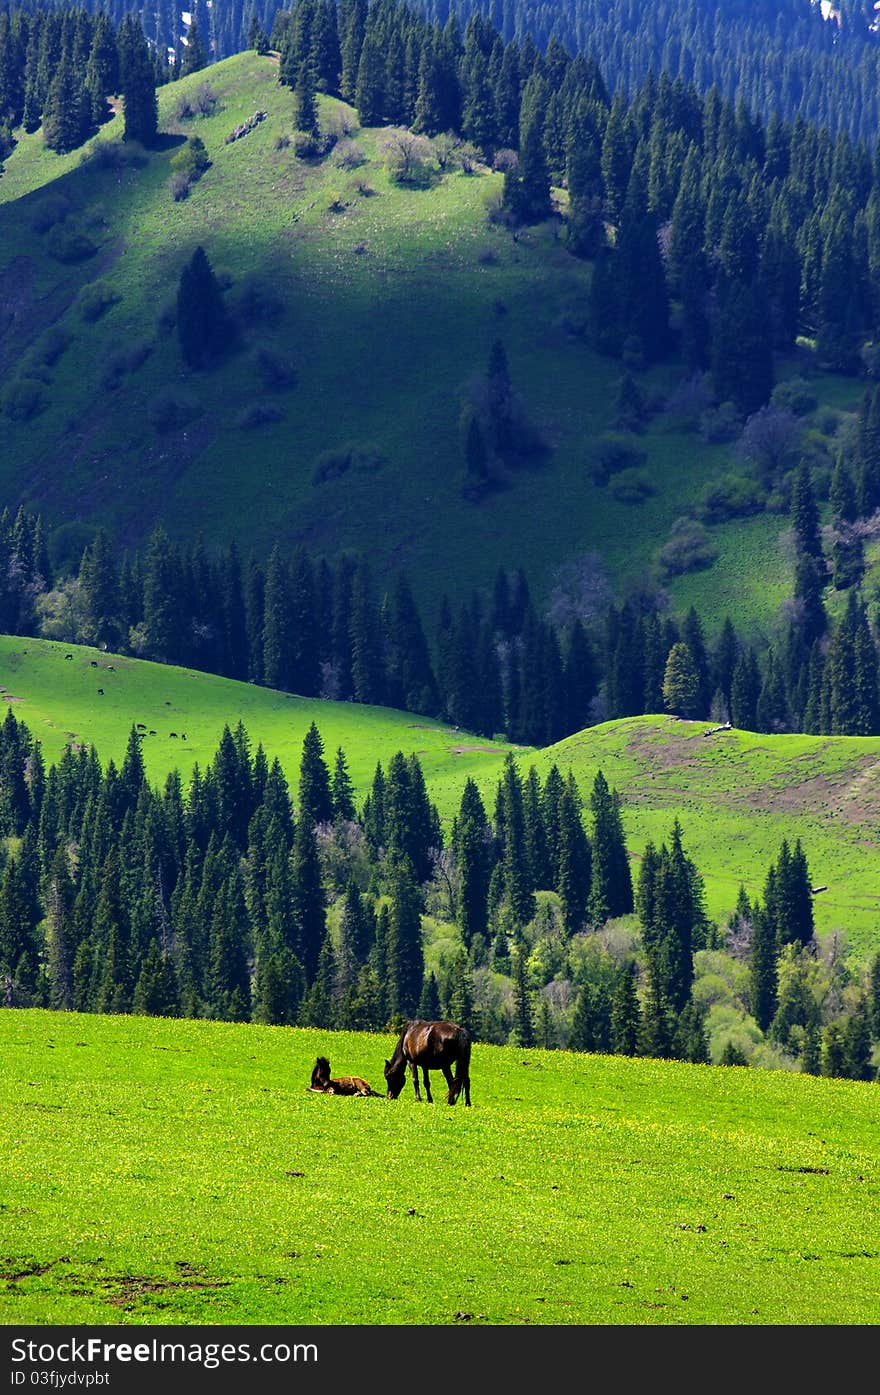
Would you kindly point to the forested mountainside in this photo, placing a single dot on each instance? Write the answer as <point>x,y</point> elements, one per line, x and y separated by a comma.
<point>793,57</point>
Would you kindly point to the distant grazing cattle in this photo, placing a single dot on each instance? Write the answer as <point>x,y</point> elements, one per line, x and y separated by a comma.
<point>172,733</point>
<point>142,726</point>
<point>111,668</point>
<point>101,691</point>
<point>68,656</point>
<point>152,732</point>
<point>183,736</point>
<point>93,663</point>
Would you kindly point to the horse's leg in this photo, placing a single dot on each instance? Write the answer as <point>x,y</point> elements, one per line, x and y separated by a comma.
<point>427,1084</point>
<point>450,1081</point>
<point>415,1075</point>
<point>467,1087</point>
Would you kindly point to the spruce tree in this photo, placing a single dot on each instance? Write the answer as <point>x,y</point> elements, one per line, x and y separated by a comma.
<point>204,328</point>
<point>315,802</point>
<point>405,953</point>
<point>138,85</point>
<point>611,891</point>
<point>625,1012</point>
<point>523,1013</point>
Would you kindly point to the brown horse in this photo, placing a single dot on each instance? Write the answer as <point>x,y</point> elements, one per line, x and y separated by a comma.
<point>431,1046</point>
<point>322,1083</point>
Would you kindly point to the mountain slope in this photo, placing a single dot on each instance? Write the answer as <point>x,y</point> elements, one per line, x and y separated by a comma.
<point>384,302</point>
<point>736,793</point>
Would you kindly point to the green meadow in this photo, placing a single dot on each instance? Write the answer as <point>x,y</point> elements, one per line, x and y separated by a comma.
<point>179,1172</point>
<point>385,300</point>
<point>737,794</point>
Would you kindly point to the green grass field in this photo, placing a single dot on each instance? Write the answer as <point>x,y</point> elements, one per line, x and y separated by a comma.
<point>390,303</point>
<point>737,794</point>
<point>160,1172</point>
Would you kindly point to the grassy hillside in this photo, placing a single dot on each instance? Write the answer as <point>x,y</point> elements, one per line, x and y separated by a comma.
<point>388,301</point>
<point>59,701</point>
<point>737,794</point>
<point>180,1172</point>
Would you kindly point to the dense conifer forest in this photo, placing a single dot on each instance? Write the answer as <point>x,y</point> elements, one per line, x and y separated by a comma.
<point>782,56</point>
<point>231,896</point>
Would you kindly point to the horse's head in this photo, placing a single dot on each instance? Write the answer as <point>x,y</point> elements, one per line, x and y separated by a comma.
<point>395,1076</point>
<point>320,1073</point>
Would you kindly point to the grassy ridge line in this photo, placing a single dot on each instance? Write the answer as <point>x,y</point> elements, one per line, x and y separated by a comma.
<point>58,699</point>
<point>180,1172</point>
<point>737,794</point>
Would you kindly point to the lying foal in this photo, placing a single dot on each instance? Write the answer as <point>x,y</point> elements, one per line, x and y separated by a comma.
<point>343,1085</point>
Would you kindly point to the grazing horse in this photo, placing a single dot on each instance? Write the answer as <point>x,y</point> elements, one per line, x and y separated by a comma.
<point>343,1085</point>
<point>431,1046</point>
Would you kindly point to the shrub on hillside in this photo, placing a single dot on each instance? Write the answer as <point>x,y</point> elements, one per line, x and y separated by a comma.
<point>631,487</point>
<point>769,441</point>
<point>795,395</point>
<point>348,155</point>
<point>615,451</point>
<point>259,303</point>
<point>687,549</point>
<point>52,209</point>
<point>23,399</point>
<point>689,400</point>
<point>68,244</point>
<point>731,496</point>
<point>363,457</point>
<point>52,345</point>
<point>179,187</point>
<point>95,300</point>
<point>188,165</point>
<point>126,361</point>
<point>406,158</point>
<point>201,103</point>
<point>259,414</point>
<point>313,145</point>
<point>720,423</point>
<point>172,409</point>
<point>277,372</point>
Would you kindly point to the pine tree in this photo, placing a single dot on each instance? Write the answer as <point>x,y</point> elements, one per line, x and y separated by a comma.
<point>655,1037</point>
<point>472,853</point>
<point>305,100</point>
<point>611,891</point>
<point>309,897</point>
<point>523,1016</point>
<point>138,84</point>
<point>406,960</point>
<point>625,1012</point>
<point>681,682</point>
<point>342,789</point>
<point>67,113</point>
<point>204,328</point>
<point>574,865</point>
<point>763,970</point>
<point>195,56</point>
<point>315,802</point>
